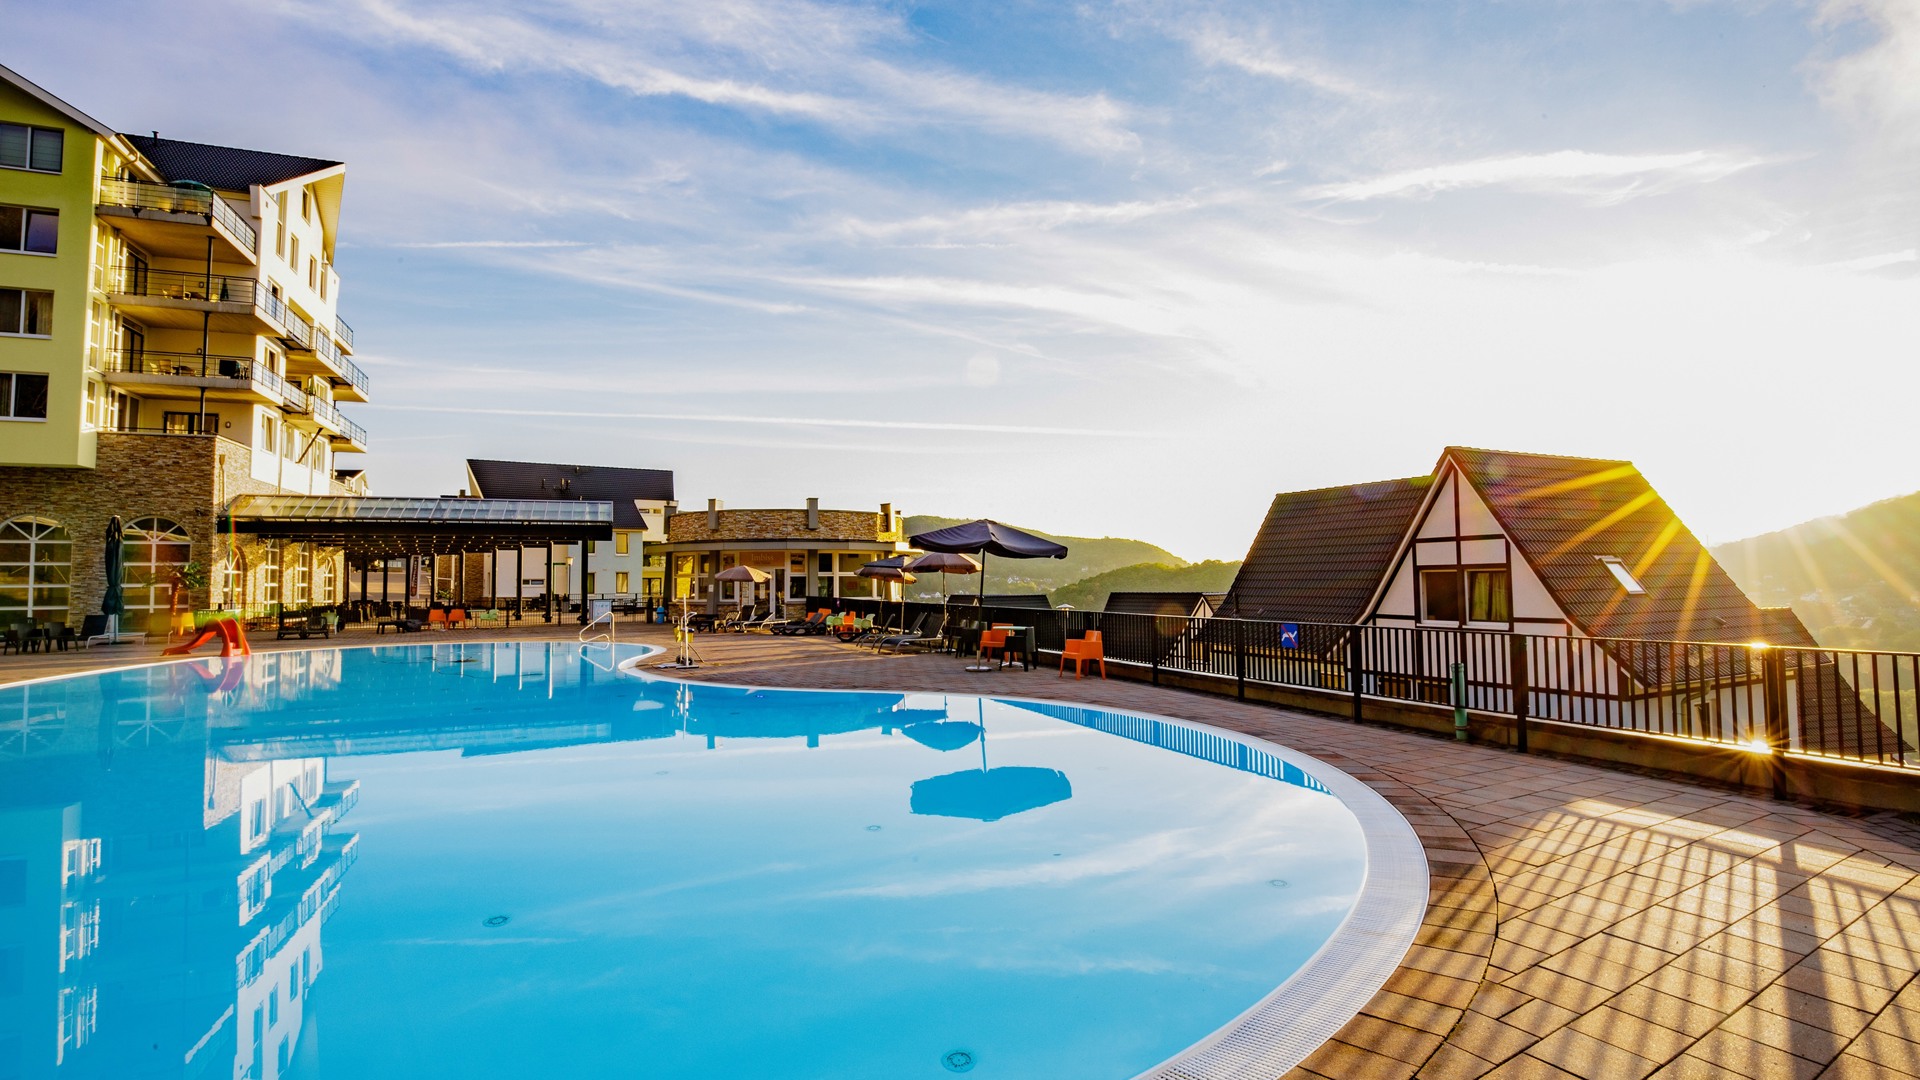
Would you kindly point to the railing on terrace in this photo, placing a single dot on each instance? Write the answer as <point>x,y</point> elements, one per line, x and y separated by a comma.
<point>1853,705</point>
<point>325,411</point>
<point>239,369</point>
<point>342,331</point>
<point>186,285</point>
<point>173,199</point>
<point>325,348</point>
<point>297,330</point>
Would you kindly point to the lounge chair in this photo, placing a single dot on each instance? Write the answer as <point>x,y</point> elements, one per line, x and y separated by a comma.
<point>805,626</point>
<point>907,637</point>
<point>303,624</point>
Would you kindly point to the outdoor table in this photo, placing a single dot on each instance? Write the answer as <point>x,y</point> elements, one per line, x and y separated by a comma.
<point>1019,641</point>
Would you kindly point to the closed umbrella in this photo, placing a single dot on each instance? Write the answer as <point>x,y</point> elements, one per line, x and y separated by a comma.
<point>113,600</point>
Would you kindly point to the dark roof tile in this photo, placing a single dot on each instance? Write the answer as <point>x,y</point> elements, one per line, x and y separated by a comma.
<point>224,167</point>
<point>543,480</point>
<point>1320,554</point>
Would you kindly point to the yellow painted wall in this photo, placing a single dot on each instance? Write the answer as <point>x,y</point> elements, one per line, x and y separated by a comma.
<point>59,440</point>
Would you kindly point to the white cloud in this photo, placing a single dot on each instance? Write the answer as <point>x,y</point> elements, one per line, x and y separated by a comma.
<point>1605,177</point>
<point>1253,54</point>
<point>1880,83</point>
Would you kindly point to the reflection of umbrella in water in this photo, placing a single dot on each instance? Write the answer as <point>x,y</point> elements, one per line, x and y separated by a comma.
<point>751,574</point>
<point>943,734</point>
<point>988,794</point>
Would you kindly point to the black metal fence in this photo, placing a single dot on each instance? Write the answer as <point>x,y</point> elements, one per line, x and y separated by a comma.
<point>1854,705</point>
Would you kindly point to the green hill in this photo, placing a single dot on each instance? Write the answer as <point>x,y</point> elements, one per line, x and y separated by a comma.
<point>1212,576</point>
<point>1086,557</point>
<point>1853,579</point>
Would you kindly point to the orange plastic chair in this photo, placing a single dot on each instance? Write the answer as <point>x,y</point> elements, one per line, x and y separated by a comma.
<point>1083,651</point>
<point>457,617</point>
<point>992,641</point>
<point>437,617</point>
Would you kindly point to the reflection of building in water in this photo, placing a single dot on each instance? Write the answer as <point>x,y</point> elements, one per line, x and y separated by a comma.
<point>160,909</point>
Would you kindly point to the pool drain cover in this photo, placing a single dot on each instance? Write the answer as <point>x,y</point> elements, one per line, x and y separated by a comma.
<point>958,1060</point>
<point>1278,883</point>
<point>498,920</point>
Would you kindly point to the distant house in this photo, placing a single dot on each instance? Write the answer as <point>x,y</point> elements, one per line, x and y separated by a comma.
<point>809,553</point>
<point>1494,540</point>
<point>642,501</point>
<point>1550,547</point>
<point>1183,605</point>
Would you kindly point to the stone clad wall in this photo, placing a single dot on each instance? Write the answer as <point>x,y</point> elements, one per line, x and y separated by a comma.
<point>836,526</point>
<point>188,478</point>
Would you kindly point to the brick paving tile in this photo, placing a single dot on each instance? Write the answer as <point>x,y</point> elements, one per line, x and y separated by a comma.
<point>1391,1038</point>
<point>1583,1055</point>
<point>1784,1033</point>
<point>1453,1063</point>
<point>1494,1040</point>
<point>1730,970</point>
<point>1685,1016</point>
<point>1590,965</point>
<point>1886,1048</point>
<point>1539,1017</point>
<point>1837,988</point>
<point>1495,999</point>
<point>1693,986</point>
<point>1755,1060</point>
<point>1530,1068</point>
<point>1648,1039</point>
<point>1563,990</point>
<point>1896,1019</point>
<point>1412,1012</point>
<point>1688,1067</point>
<point>1849,1067</point>
<point>1843,1020</point>
<point>1339,1059</point>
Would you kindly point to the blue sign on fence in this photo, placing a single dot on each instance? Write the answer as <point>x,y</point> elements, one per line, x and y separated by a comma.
<point>1289,635</point>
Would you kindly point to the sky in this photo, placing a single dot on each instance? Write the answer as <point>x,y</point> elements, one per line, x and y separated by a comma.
<point>1118,269</point>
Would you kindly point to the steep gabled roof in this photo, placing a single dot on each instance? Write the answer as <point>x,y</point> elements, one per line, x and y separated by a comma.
<point>31,89</point>
<point>544,480</point>
<point>1320,554</point>
<point>1565,514</point>
<point>1176,603</point>
<point>223,167</point>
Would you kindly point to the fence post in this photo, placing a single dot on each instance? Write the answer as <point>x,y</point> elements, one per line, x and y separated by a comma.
<point>1240,658</point>
<point>1353,669</point>
<point>1153,645</point>
<point>1773,668</point>
<point>1522,688</point>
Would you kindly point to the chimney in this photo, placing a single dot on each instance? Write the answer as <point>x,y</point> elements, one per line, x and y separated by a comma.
<point>813,514</point>
<point>713,515</point>
<point>886,517</point>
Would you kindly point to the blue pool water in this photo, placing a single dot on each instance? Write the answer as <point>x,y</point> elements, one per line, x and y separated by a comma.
<point>515,861</point>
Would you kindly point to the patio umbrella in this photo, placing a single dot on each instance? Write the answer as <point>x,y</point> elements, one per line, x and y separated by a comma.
<point>751,574</point>
<point>889,570</point>
<point>947,562</point>
<point>986,538</point>
<point>942,734</point>
<point>113,601</point>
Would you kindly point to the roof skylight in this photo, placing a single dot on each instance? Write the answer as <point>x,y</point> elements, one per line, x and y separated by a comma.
<point>1622,575</point>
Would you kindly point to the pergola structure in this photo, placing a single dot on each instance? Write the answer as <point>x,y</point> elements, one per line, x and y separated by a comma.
<point>371,529</point>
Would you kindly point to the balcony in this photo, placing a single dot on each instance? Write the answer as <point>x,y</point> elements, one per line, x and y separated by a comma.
<point>329,417</point>
<point>175,220</point>
<point>342,370</point>
<point>344,332</point>
<point>177,374</point>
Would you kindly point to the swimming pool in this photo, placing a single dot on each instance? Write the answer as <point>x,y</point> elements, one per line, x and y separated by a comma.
<point>514,860</point>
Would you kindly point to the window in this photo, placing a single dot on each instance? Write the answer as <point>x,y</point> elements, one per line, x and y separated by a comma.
<point>620,581</point>
<point>23,396</point>
<point>123,412</point>
<point>36,558</point>
<point>324,275</point>
<point>90,414</point>
<point>33,148</point>
<point>1622,575</point>
<point>306,205</point>
<point>26,229</point>
<point>1489,596</point>
<point>25,311</point>
<point>269,433</point>
<point>1440,595</point>
<point>293,252</point>
<point>622,543</point>
<point>155,548</point>
<point>280,224</point>
<point>186,423</point>
<point>313,272</point>
<point>591,545</point>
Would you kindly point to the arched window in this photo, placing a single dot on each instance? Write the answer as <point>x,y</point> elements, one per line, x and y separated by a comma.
<point>323,590</point>
<point>233,580</point>
<point>36,561</point>
<point>299,578</point>
<point>155,548</point>
<point>270,556</point>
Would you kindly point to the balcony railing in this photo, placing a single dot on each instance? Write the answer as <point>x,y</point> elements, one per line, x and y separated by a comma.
<point>174,199</point>
<point>186,285</point>
<point>294,328</point>
<point>342,331</point>
<point>324,411</point>
<point>238,369</point>
<point>324,347</point>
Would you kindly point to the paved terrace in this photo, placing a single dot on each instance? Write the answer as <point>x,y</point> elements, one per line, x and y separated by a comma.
<point>1584,921</point>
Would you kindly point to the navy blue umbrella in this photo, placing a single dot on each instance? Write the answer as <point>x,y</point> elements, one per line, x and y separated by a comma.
<point>943,734</point>
<point>986,538</point>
